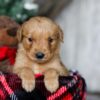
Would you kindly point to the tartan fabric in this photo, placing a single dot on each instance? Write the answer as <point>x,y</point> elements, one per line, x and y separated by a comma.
<point>72,87</point>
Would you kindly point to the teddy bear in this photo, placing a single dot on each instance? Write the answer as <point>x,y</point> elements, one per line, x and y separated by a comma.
<point>8,42</point>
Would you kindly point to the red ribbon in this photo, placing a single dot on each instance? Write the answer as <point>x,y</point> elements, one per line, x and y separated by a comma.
<point>8,53</point>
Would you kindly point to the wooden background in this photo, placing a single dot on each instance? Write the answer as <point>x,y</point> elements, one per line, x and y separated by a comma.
<point>80,21</point>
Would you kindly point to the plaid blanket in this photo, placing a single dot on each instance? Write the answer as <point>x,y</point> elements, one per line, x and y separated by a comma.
<point>72,87</point>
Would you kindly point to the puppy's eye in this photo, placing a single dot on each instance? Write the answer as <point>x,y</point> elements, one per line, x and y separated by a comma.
<point>30,39</point>
<point>50,39</point>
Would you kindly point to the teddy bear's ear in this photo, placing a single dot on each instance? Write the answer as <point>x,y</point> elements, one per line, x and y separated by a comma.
<point>19,34</point>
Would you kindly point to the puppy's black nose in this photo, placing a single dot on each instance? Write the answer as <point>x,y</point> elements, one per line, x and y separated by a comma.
<point>39,55</point>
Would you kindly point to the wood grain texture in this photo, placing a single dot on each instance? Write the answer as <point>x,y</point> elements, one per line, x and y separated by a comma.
<point>81,49</point>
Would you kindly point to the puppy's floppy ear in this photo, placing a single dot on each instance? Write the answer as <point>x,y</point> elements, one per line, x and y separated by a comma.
<point>60,34</point>
<point>19,34</point>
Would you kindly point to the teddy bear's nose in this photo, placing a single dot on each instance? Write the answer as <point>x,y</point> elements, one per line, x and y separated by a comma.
<point>39,55</point>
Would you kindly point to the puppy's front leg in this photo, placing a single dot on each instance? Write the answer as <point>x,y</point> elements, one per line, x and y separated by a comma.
<point>51,80</point>
<point>27,77</point>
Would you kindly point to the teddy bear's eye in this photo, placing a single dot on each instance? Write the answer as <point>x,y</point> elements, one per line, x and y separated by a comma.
<point>30,39</point>
<point>50,39</point>
<point>12,32</point>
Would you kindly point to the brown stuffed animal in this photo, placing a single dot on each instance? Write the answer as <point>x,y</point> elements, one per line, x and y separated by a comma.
<point>8,42</point>
<point>8,28</point>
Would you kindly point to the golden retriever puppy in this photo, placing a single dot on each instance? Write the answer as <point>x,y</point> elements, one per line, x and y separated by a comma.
<point>38,53</point>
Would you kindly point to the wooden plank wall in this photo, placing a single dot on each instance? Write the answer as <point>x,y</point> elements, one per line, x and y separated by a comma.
<point>80,21</point>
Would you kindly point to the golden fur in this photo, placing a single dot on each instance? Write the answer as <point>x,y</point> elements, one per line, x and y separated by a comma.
<point>39,34</point>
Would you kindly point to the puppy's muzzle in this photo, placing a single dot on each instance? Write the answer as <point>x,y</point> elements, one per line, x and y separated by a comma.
<point>40,55</point>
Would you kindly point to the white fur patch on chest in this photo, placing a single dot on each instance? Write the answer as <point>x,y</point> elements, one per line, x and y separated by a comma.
<point>36,69</point>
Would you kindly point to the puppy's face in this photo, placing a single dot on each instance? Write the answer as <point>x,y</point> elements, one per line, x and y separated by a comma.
<point>40,38</point>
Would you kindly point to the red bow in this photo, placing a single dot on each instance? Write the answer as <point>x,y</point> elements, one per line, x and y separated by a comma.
<point>8,53</point>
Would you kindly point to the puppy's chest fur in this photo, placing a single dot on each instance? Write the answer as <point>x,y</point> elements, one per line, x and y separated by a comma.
<point>41,68</point>
<point>37,69</point>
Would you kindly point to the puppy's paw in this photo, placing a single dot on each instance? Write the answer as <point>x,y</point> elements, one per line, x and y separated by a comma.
<point>28,84</point>
<point>51,80</point>
<point>51,84</point>
<point>28,81</point>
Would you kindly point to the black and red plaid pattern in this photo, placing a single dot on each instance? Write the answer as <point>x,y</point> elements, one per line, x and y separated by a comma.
<point>72,87</point>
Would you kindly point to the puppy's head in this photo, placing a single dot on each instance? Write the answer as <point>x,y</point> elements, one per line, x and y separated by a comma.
<point>40,37</point>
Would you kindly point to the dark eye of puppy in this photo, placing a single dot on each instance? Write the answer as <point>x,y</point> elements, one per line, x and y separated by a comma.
<point>50,40</point>
<point>30,39</point>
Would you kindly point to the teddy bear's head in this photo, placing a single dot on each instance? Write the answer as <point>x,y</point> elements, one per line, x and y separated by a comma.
<point>8,30</point>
